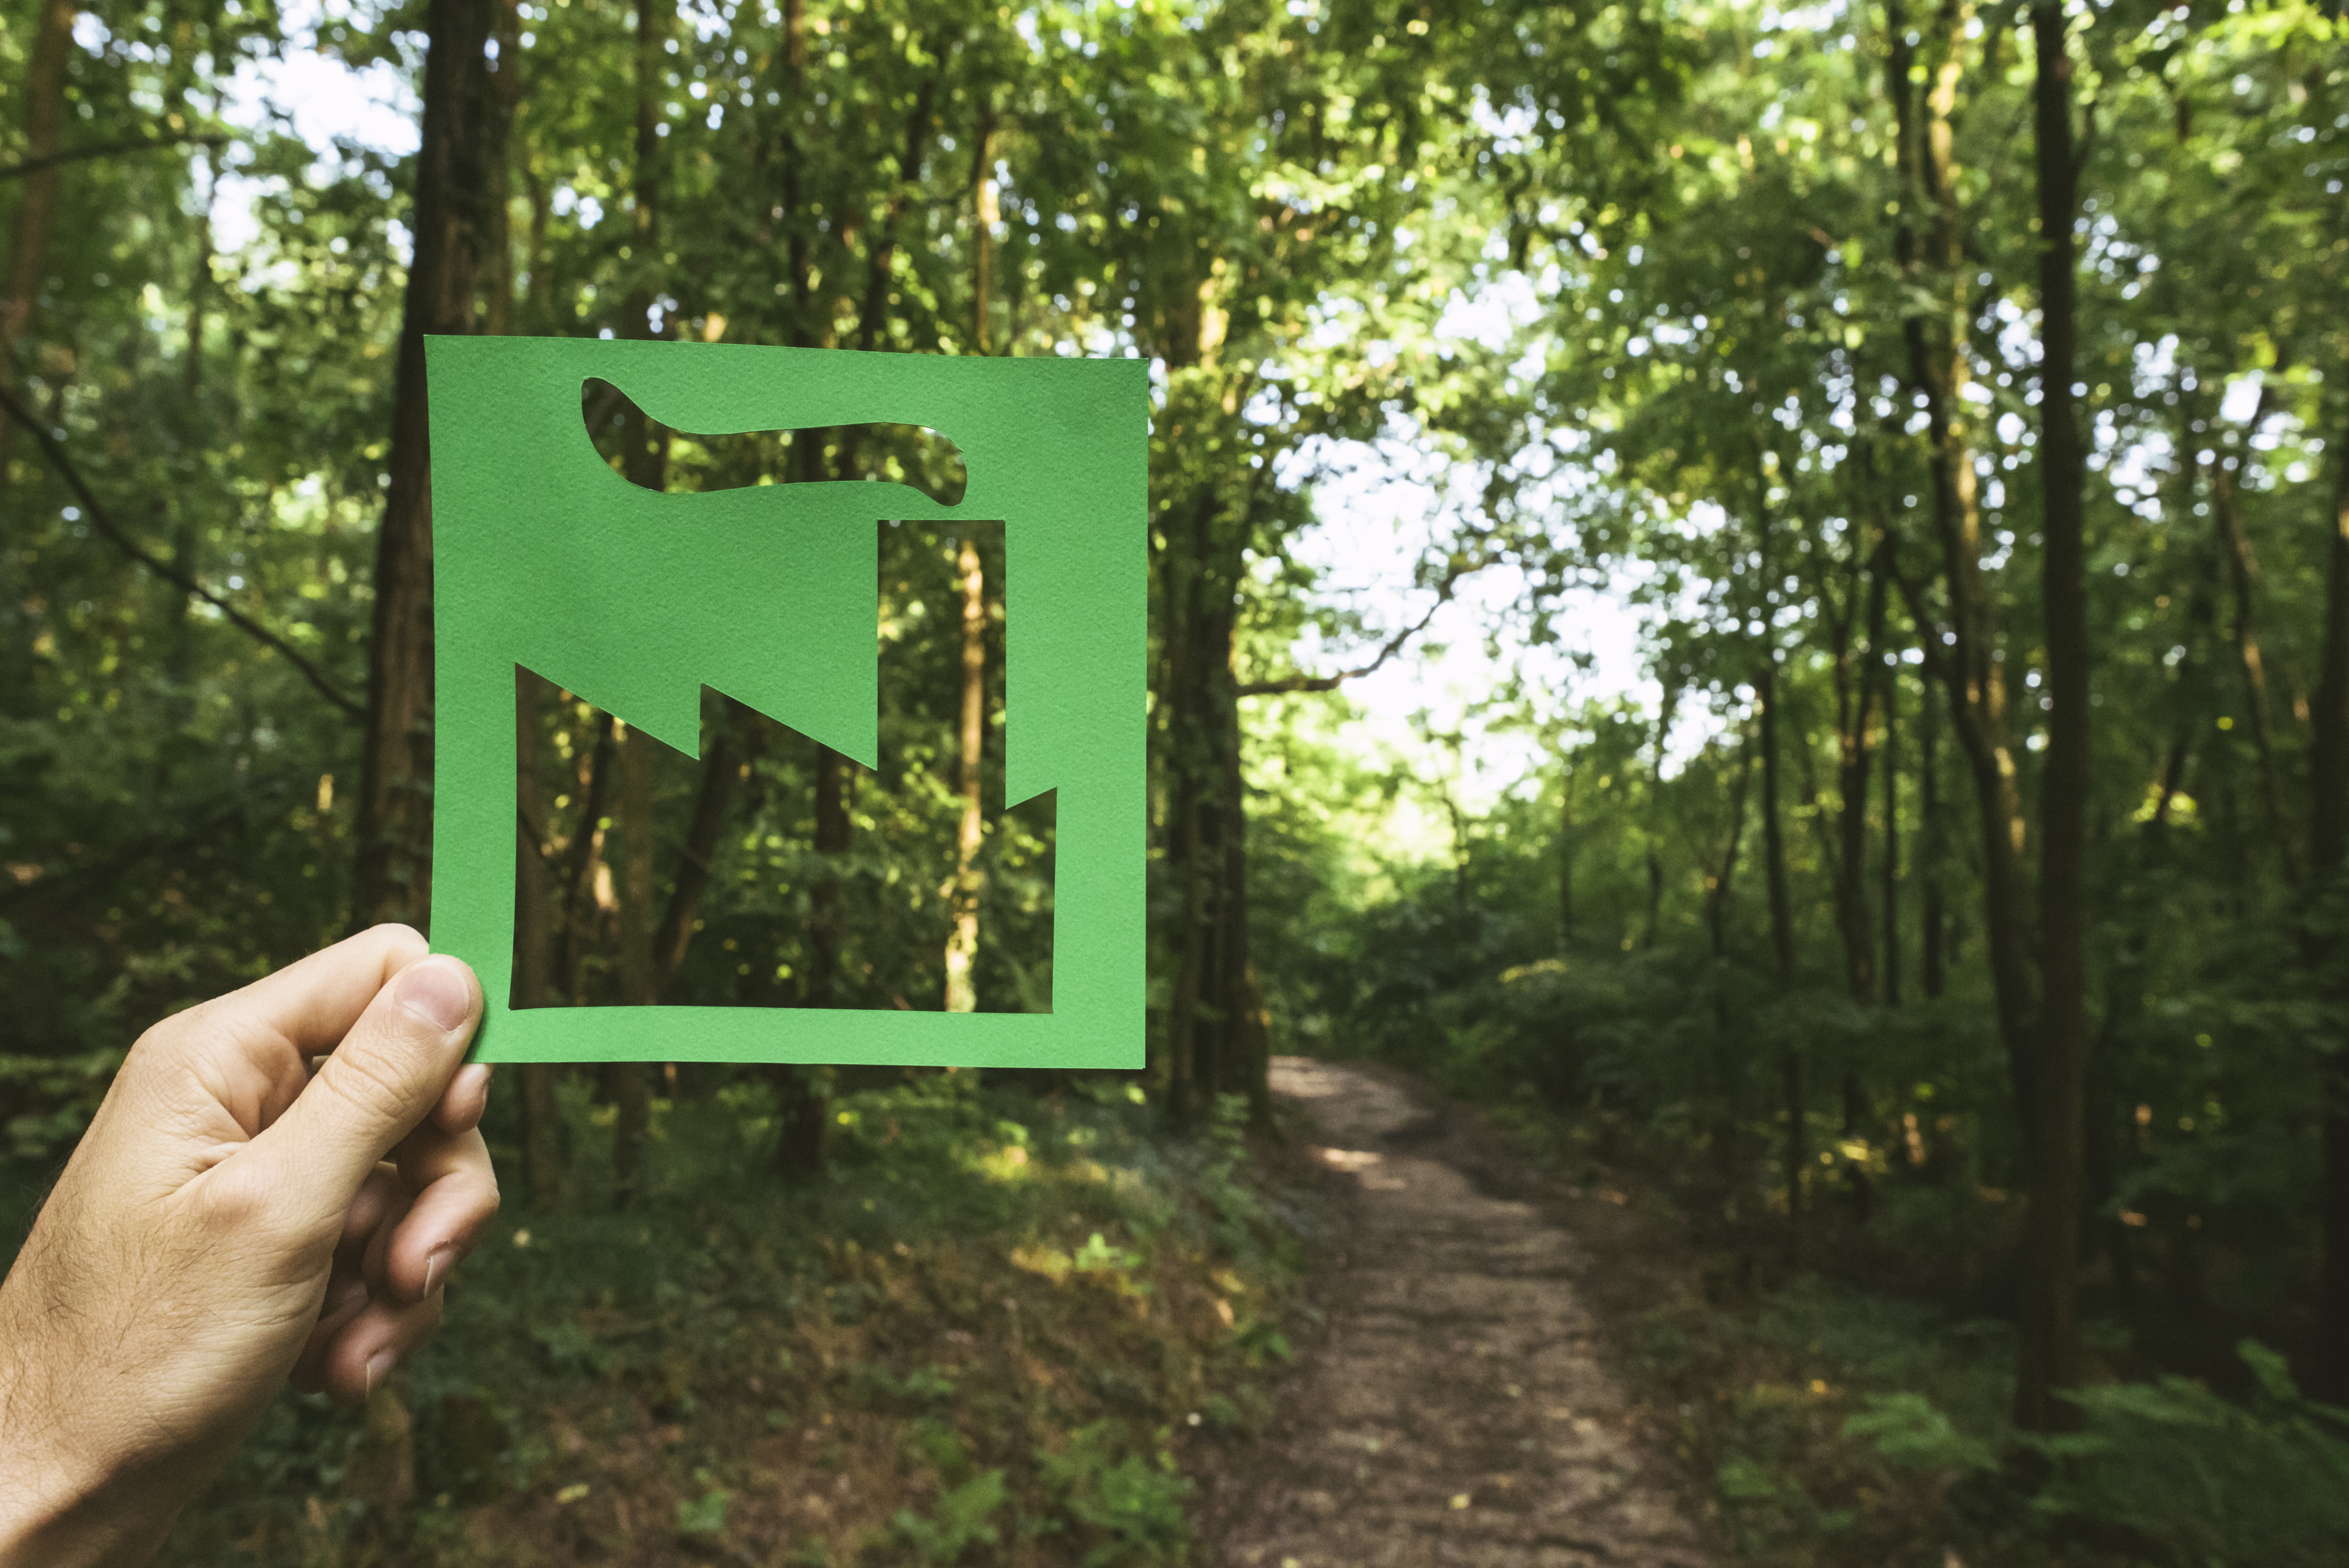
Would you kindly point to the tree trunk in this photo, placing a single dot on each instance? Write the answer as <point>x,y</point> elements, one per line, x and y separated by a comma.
<point>2048,1356</point>
<point>1856,692</point>
<point>1932,844</point>
<point>1782,947</point>
<point>1888,895</point>
<point>1566,862</point>
<point>720,766</point>
<point>1968,666</point>
<point>584,871</point>
<point>1656,787</point>
<point>2328,899</point>
<point>395,807</point>
<point>497,160</point>
<point>1718,883</point>
<point>833,784</point>
<point>982,235</point>
<point>540,1150</point>
<point>880,256</point>
<point>962,940</point>
<point>2243,575</point>
<point>632,1082</point>
<point>28,261</point>
<point>1246,1044</point>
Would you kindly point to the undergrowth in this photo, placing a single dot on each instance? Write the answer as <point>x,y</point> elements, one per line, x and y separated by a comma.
<point>991,1334</point>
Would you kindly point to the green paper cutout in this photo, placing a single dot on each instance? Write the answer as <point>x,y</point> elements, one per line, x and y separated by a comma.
<point>632,600</point>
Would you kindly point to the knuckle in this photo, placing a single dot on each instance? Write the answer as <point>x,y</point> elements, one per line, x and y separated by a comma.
<point>364,1073</point>
<point>236,1201</point>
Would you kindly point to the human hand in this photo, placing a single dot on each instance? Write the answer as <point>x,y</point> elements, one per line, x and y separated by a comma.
<point>237,1215</point>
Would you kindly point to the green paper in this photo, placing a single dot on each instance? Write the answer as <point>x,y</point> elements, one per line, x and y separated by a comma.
<point>633,600</point>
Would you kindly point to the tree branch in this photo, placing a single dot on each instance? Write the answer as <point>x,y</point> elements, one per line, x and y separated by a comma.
<point>54,450</point>
<point>1387,649</point>
<point>109,149</point>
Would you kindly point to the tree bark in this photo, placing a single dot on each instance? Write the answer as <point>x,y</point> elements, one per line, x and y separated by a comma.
<point>1718,881</point>
<point>1566,862</point>
<point>497,160</point>
<point>37,206</point>
<point>28,261</point>
<point>395,807</point>
<point>720,767</point>
<point>833,784</point>
<point>583,868</point>
<point>632,1082</point>
<point>1931,847</point>
<point>1888,895</point>
<point>1969,663</point>
<point>2048,1355</point>
<point>962,940</point>
<point>2327,901</point>
<point>982,238</point>
<point>2242,572</point>
<point>1782,947</point>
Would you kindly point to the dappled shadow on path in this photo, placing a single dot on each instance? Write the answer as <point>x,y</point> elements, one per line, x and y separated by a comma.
<point>1459,1408</point>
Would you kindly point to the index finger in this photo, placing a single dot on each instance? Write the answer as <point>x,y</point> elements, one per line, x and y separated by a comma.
<point>312,1003</point>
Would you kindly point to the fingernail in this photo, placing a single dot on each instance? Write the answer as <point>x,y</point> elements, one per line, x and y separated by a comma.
<point>436,991</point>
<point>437,1265</point>
<point>379,1367</point>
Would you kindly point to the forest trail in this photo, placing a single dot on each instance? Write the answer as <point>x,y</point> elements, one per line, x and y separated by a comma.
<point>1459,1408</point>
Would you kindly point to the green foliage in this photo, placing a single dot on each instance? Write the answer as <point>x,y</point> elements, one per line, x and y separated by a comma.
<point>705,1515</point>
<point>961,1520</point>
<point>50,1100</point>
<point>1909,1432</point>
<point>2188,1477</point>
<point>1131,1506</point>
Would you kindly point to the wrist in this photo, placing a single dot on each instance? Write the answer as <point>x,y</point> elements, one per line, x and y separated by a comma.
<point>61,1506</point>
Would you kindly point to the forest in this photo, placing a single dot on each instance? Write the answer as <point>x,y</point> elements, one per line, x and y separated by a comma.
<point>1943,932</point>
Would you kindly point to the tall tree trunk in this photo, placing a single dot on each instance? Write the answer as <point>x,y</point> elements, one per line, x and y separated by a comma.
<point>2328,903</point>
<point>585,867</point>
<point>187,531</point>
<point>540,1148</point>
<point>497,160</point>
<point>962,940</point>
<point>2048,1356</point>
<point>1933,845</point>
<point>833,784</point>
<point>1718,882</point>
<point>720,767</point>
<point>1184,566</point>
<point>632,1082</point>
<point>880,256</point>
<point>1782,947</point>
<point>1566,862</point>
<point>1888,895</point>
<point>1656,792</point>
<point>2242,571</point>
<point>646,462</point>
<point>982,238</point>
<point>1247,1048</point>
<point>395,816</point>
<point>1969,666</point>
<point>1856,682</point>
<point>29,263</point>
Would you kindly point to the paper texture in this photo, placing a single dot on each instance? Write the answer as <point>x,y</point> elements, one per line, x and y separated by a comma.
<point>632,600</point>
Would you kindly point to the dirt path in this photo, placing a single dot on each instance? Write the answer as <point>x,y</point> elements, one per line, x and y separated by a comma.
<point>1458,1410</point>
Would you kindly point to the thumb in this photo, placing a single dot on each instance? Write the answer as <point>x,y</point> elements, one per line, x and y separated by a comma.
<point>373,1087</point>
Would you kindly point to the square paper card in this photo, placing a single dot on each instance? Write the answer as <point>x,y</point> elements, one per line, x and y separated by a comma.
<point>547,559</point>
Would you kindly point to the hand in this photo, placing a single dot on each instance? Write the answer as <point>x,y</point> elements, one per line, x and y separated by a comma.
<point>277,1184</point>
